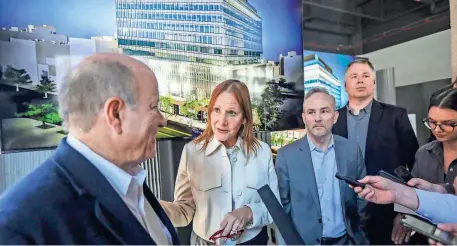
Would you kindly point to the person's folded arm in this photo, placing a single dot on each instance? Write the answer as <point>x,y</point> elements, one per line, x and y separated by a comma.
<point>181,210</point>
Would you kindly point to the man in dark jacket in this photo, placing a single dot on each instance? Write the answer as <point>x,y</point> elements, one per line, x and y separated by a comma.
<point>92,189</point>
<point>383,132</point>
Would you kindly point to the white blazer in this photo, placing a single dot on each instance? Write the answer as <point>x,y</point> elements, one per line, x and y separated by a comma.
<point>203,190</point>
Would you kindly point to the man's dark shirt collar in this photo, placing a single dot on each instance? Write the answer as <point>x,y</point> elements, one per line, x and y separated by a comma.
<point>366,110</point>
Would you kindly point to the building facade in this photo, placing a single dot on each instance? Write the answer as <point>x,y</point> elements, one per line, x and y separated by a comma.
<point>291,67</point>
<point>318,74</point>
<point>205,35</point>
<point>38,50</point>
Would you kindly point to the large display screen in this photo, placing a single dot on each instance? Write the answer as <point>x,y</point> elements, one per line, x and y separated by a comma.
<point>190,45</point>
<point>326,70</point>
<point>320,69</point>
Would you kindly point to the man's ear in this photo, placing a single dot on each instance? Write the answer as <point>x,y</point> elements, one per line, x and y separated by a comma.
<point>113,113</point>
<point>335,118</point>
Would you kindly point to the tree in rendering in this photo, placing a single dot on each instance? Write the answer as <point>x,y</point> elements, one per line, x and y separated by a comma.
<point>291,140</point>
<point>23,77</point>
<point>9,74</point>
<point>44,113</point>
<point>46,85</point>
<point>204,104</point>
<point>282,139</point>
<point>268,110</point>
<point>1,72</point>
<point>255,104</point>
<point>16,76</point>
<point>286,85</point>
<point>166,104</point>
<point>190,109</point>
<point>274,139</point>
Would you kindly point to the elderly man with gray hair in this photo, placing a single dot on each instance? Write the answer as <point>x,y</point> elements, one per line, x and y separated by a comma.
<point>322,207</point>
<point>92,189</point>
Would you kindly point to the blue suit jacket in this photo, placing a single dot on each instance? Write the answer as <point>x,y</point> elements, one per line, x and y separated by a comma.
<point>299,195</point>
<point>67,200</point>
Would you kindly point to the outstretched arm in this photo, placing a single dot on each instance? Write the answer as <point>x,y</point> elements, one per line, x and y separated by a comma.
<point>181,210</point>
<point>384,191</point>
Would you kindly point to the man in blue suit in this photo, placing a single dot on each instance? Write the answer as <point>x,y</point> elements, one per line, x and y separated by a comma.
<point>324,209</point>
<point>92,190</point>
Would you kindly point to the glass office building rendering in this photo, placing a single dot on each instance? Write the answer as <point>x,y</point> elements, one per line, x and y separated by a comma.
<point>318,74</point>
<point>190,39</point>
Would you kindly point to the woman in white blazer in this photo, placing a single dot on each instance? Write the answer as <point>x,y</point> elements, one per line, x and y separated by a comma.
<point>220,172</point>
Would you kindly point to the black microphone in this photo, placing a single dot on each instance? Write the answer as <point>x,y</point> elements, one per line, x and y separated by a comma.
<point>280,218</point>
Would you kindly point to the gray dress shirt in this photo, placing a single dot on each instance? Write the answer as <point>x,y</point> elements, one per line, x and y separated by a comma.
<point>358,126</point>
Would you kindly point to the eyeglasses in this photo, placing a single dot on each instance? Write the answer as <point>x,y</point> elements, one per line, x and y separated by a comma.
<point>444,126</point>
<point>235,236</point>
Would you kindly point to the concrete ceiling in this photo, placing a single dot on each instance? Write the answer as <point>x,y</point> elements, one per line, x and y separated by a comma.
<point>362,26</point>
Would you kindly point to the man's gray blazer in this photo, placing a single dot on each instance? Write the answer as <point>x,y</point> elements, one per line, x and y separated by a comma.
<point>299,195</point>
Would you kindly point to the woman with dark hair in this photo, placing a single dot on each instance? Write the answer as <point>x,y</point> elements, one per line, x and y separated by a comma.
<point>220,172</point>
<point>447,87</point>
<point>436,162</point>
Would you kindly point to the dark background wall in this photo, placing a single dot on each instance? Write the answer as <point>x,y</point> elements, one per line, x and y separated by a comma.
<point>415,98</point>
<point>358,27</point>
<point>361,26</point>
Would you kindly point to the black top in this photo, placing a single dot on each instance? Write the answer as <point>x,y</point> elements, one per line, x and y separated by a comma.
<point>429,164</point>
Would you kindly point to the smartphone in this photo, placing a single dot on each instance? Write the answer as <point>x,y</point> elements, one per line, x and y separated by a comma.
<point>387,175</point>
<point>349,180</point>
<point>428,229</point>
<point>403,173</point>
